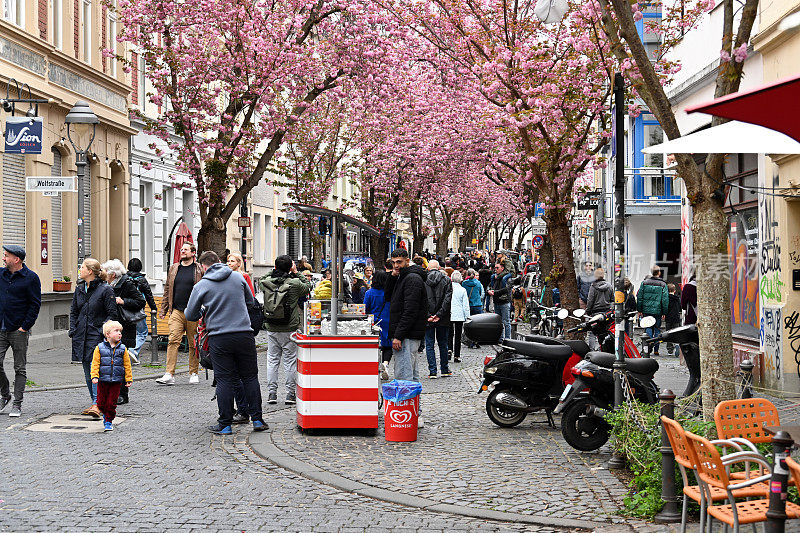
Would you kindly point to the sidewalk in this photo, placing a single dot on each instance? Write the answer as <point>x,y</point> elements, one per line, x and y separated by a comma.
<point>53,369</point>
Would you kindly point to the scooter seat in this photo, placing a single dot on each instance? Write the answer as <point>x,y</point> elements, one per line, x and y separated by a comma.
<point>644,366</point>
<point>578,346</point>
<point>540,351</point>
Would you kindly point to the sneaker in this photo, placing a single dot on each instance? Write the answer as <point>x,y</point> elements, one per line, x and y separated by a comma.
<point>239,418</point>
<point>447,374</point>
<point>457,360</point>
<point>220,430</point>
<point>15,411</point>
<point>384,371</point>
<point>260,425</point>
<point>291,399</point>
<point>166,379</point>
<point>134,359</point>
<point>107,426</point>
<point>4,403</point>
<point>194,379</point>
<point>432,376</point>
<point>272,398</point>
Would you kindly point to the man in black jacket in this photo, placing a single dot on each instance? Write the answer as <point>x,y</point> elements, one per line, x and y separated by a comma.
<point>408,313</point>
<point>439,291</point>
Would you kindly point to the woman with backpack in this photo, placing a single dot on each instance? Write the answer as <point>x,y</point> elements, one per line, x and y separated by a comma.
<point>375,304</point>
<point>138,277</point>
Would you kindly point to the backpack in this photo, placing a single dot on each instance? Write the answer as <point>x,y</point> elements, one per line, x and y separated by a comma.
<point>276,302</point>
<point>517,293</point>
<point>201,344</point>
<point>256,312</point>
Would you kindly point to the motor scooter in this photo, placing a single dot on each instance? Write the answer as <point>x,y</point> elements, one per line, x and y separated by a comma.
<point>526,376</point>
<point>688,338</point>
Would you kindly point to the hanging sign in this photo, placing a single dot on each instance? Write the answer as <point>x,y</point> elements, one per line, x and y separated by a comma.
<point>45,252</point>
<point>23,135</point>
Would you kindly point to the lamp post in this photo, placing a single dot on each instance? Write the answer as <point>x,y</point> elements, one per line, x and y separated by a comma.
<point>81,114</point>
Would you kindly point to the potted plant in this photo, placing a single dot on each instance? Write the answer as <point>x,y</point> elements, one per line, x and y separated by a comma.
<point>62,285</point>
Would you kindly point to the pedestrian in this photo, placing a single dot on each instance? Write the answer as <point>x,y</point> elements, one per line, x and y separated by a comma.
<point>387,266</point>
<point>130,303</point>
<point>181,279</point>
<point>93,304</point>
<point>518,297</point>
<point>303,264</point>
<point>653,300</point>
<point>111,369</point>
<point>485,277</point>
<point>459,311</point>
<point>138,277</point>
<point>376,304</point>
<point>508,264</point>
<point>19,309</point>
<point>500,294</point>
<point>672,319</point>
<point>224,297</point>
<point>283,287</point>
<point>585,280</point>
<point>601,294</point>
<point>359,288</point>
<point>408,313</point>
<point>236,263</point>
<point>474,290</point>
<point>630,304</point>
<point>368,273</point>
<point>689,300</point>
<point>439,291</point>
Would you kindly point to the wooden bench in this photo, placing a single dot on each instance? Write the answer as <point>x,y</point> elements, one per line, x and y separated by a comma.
<point>162,324</point>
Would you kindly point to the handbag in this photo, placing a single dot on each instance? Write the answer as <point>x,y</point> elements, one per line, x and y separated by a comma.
<point>126,315</point>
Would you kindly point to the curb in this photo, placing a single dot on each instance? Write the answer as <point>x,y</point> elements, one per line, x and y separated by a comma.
<point>262,445</point>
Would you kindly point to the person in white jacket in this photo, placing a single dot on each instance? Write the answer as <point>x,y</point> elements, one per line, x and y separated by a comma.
<point>459,311</point>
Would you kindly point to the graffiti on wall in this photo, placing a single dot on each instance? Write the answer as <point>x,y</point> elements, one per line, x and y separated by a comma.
<point>743,249</point>
<point>770,339</point>
<point>791,324</point>
<point>770,285</point>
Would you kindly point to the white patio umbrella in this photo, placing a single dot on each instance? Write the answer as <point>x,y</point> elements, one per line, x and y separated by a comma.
<point>733,137</point>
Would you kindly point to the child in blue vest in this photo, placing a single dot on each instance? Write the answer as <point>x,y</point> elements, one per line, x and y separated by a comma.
<point>111,367</point>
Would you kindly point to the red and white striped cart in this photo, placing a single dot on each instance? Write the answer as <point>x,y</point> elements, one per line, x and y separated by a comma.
<point>337,381</point>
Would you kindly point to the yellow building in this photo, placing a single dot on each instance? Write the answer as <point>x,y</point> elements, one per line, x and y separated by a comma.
<point>779,217</point>
<point>54,46</point>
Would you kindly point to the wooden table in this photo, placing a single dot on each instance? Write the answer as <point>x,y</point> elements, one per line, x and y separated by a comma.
<point>792,429</point>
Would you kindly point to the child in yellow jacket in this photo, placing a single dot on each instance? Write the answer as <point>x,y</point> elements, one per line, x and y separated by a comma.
<point>111,366</point>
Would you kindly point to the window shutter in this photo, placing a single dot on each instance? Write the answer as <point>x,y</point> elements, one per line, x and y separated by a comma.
<point>56,222</point>
<point>14,199</point>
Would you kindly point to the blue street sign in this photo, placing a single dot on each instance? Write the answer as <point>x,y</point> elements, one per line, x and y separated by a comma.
<point>539,210</point>
<point>23,135</point>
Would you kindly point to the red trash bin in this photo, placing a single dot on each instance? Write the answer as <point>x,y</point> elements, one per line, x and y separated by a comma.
<point>400,420</point>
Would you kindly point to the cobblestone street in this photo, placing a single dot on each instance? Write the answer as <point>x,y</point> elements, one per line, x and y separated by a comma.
<point>161,470</point>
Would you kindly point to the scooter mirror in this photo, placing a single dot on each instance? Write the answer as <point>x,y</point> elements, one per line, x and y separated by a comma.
<point>578,313</point>
<point>562,314</point>
<point>647,322</point>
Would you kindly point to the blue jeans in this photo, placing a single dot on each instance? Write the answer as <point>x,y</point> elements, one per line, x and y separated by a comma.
<point>234,359</point>
<point>437,335</point>
<point>405,360</point>
<point>653,332</point>
<point>504,310</point>
<point>141,336</point>
<point>475,309</point>
<point>87,373</point>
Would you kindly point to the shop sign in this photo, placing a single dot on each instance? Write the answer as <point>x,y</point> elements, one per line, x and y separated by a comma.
<point>589,201</point>
<point>23,135</point>
<point>45,253</point>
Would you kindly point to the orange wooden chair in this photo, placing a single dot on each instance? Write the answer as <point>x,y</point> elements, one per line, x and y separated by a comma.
<point>712,469</point>
<point>687,459</point>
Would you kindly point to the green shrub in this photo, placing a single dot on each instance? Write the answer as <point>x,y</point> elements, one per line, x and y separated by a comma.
<point>636,435</point>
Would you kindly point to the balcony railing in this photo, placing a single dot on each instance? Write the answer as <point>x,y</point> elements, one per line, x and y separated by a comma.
<point>652,185</point>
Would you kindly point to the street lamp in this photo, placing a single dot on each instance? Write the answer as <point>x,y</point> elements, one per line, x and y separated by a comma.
<point>81,114</point>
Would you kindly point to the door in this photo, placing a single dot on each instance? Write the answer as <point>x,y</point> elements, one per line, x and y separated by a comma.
<point>668,252</point>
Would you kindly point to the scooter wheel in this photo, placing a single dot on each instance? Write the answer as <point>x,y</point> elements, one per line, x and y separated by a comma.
<point>581,431</point>
<point>505,418</point>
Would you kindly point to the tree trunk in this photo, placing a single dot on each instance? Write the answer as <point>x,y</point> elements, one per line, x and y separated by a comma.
<point>546,266</point>
<point>563,270</point>
<point>379,246</point>
<point>444,236</point>
<point>212,235</point>
<point>709,232</point>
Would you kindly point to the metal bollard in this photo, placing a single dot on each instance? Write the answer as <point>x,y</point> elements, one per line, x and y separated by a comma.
<point>670,512</point>
<point>776,515</point>
<point>153,338</point>
<point>746,367</point>
<point>514,330</point>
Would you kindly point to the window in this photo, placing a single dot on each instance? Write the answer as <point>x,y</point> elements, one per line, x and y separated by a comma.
<point>87,31</point>
<point>266,255</point>
<point>58,21</point>
<point>56,234</point>
<point>257,248</point>
<point>146,233</point>
<point>111,22</point>
<point>653,135</point>
<point>14,11</point>
<point>14,199</point>
<point>142,85</point>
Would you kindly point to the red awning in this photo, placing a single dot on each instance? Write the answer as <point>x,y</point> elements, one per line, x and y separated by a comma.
<point>772,106</point>
<point>182,236</point>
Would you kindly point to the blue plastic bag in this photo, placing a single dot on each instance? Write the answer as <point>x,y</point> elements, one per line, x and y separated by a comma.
<point>398,390</point>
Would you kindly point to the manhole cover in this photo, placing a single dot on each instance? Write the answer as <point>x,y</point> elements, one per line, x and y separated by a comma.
<point>71,424</point>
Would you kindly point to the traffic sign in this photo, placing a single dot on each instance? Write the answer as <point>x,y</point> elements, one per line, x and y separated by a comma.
<point>537,242</point>
<point>539,230</point>
<point>538,211</point>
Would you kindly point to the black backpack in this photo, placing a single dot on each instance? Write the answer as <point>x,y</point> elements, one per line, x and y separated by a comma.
<point>517,293</point>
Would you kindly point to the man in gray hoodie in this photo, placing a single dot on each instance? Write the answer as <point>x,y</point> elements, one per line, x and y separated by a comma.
<point>222,296</point>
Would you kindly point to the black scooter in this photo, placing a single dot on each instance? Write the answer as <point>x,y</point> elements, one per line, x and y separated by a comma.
<point>688,339</point>
<point>528,375</point>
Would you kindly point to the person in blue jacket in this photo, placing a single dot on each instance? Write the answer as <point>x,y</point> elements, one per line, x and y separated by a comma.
<point>375,304</point>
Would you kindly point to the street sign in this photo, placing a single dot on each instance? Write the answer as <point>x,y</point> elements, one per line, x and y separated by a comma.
<point>539,230</point>
<point>537,242</point>
<point>244,222</point>
<point>50,184</point>
<point>538,212</point>
<point>23,135</point>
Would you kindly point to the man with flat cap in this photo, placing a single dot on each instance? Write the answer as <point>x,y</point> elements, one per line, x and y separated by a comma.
<point>20,300</point>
